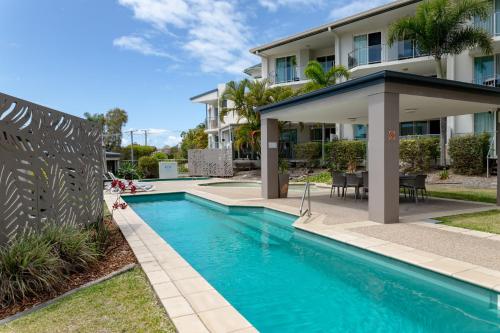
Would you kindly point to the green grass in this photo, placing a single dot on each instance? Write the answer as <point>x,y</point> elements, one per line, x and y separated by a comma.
<point>488,221</point>
<point>324,177</point>
<point>462,193</point>
<point>125,303</point>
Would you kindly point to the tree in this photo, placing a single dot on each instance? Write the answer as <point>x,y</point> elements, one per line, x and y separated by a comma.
<point>115,120</point>
<point>246,96</point>
<point>440,28</point>
<point>194,138</point>
<point>321,78</point>
<point>112,123</point>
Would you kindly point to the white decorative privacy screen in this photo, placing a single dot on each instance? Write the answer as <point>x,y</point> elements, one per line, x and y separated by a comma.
<point>210,162</point>
<point>50,168</point>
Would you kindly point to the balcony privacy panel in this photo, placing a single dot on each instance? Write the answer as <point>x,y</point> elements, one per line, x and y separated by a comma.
<point>50,168</point>
<point>210,162</point>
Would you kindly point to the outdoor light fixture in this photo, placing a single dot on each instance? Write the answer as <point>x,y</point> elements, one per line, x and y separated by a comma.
<point>410,110</point>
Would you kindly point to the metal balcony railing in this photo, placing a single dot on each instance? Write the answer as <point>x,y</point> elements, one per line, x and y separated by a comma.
<point>288,74</point>
<point>487,80</point>
<point>375,54</point>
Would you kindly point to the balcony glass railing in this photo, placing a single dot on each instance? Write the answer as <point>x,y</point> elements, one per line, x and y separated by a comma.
<point>288,74</point>
<point>491,24</point>
<point>374,54</point>
<point>212,123</point>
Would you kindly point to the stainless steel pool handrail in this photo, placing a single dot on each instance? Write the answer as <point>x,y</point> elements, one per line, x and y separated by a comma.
<point>307,191</point>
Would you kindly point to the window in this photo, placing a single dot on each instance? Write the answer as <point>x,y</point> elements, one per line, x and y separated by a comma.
<point>327,62</point>
<point>360,131</point>
<point>367,49</point>
<point>483,122</point>
<point>316,133</point>
<point>286,69</point>
<point>425,127</point>
<point>487,70</point>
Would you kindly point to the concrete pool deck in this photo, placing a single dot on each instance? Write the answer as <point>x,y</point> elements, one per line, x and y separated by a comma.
<point>195,306</point>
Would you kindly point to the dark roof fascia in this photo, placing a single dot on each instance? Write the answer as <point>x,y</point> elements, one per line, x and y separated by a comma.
<point>377,78</point>
<point>203,94</point>
<point>333,25</point>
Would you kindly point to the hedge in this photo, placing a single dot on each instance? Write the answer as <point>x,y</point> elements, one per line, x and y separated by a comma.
<point>345,154</point>
<point>468,154</point>
<point>309,151</point>
<point>148,165</point>
<point>417,155</point>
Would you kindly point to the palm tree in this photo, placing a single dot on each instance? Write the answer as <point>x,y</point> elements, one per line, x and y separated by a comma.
<point>440,28</point>
<point>321,78</point>
<point>245,97</point>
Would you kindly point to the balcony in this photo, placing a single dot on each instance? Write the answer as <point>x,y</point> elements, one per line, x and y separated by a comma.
<point>212,123</point>
<point>294,74</point>
<point>376,54</point>
<point>492,80</point>
<point>491,24</point>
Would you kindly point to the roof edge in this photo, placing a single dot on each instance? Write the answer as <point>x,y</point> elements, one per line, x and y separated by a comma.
<point>203,94</point>
<point>335,24</point>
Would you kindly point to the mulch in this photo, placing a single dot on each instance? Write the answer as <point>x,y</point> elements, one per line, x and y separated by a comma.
<point>117,255</point>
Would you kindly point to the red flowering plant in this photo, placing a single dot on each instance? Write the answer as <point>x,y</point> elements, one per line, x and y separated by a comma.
<point>118,187</point>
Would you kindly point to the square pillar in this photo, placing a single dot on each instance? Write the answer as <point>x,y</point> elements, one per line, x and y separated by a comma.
<point>497,151</point>
<point>383,164</point>
<point>269,158</point>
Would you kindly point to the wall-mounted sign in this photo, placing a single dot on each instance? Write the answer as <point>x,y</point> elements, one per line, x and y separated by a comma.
<point>391,135</point>
<point>272,145</point>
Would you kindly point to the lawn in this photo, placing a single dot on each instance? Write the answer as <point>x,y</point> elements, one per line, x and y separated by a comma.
<point>462,193</point>
<point>488,221</point>
<point>125,303</point>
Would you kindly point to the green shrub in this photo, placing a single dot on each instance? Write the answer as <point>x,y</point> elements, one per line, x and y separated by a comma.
<point>345,154</point>
<point>74,246</point>
<point>309,151</point>
<point>128,171</point>
<point>139,151</point>
<point>159,155</point>
<point>148,165</point>
<point>28,266</point>
<point>99,233</point>
<point>417,155</point>
<point>468,154</point>
<point>40,262</point>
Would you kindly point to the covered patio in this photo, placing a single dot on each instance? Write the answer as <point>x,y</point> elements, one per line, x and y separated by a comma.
<point>381,101</point>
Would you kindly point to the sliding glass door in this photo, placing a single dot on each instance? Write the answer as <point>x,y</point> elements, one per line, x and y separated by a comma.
<point>286,69</point>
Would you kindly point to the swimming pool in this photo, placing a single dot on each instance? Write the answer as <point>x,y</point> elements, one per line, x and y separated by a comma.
<point>286,280</point>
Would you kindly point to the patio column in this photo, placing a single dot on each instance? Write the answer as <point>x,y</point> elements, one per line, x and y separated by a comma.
<point>383,164</point>
<point>497,141</point>
<point>269,158</point>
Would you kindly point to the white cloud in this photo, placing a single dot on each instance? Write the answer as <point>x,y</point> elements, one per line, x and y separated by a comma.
<point>356,7</point>
<point>216,32</point>
<point>139,44</point>
<point>160,13</point>
<point>273,5</point>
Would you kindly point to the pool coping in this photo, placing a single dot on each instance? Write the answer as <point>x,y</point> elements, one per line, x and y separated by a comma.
<point>175,281</point>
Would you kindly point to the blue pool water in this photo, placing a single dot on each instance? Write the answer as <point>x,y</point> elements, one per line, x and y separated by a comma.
<point>285,280</point>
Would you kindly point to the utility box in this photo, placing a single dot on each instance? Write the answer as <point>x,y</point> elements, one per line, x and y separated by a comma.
<point>168,170</point>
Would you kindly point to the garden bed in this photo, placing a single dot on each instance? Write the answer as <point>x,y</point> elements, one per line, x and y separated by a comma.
<point>117,255</point>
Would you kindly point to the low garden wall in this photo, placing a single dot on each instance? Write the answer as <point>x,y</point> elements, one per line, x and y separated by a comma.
<point>51,168</point>
<point>210,162</point>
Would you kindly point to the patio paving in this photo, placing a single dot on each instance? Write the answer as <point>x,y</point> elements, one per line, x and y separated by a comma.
<point>469,248</point>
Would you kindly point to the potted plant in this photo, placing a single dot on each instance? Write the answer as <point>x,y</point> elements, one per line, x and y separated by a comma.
<point>283,178</point>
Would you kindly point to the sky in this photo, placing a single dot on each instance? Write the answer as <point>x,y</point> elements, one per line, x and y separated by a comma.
<point>145,56</point>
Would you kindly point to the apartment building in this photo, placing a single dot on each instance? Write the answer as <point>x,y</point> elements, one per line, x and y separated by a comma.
<point>359,43</point>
